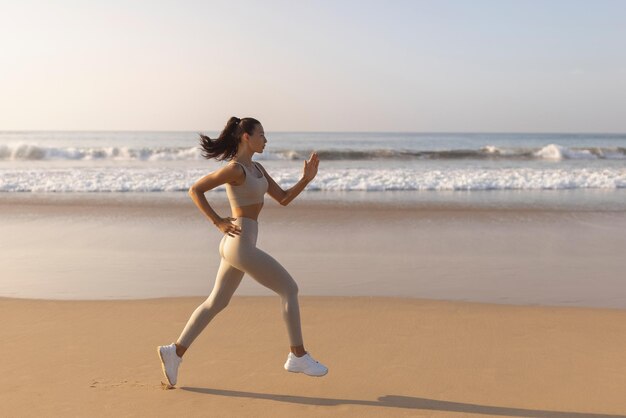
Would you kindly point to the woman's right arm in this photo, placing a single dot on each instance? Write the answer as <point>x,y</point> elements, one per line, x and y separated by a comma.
<point>224,175</point>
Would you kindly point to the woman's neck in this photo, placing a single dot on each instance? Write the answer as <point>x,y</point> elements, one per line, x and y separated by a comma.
<point>244,158</point>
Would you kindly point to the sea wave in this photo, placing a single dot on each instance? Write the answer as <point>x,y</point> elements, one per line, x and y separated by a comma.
<point>36,152</point>
<point>165,180</point>
<point>555,152</point>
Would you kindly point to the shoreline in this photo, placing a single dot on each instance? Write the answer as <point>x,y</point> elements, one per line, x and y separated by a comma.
<point>579,200</point>
<point>326,298</point>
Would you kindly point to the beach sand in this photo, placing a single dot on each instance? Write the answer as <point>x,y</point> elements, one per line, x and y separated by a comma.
<point>389,297</point>
<point>387,357</point>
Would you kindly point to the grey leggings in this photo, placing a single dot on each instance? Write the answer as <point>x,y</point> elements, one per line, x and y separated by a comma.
<point>240,255</point>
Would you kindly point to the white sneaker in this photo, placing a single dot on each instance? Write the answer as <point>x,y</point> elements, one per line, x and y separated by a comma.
<point>169,362</point>
<point>305,364</point>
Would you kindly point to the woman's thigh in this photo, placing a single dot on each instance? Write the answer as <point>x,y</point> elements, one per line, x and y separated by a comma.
<point>243,254</point>
<point>227,281</point>
<point>266,270</point>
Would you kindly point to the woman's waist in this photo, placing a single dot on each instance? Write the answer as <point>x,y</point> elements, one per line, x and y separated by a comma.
<point>250,212</point>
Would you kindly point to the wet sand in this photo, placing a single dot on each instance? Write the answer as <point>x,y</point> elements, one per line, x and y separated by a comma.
<point>129,247</point>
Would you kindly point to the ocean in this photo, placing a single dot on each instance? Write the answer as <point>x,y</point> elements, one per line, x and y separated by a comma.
<point>584,169</point>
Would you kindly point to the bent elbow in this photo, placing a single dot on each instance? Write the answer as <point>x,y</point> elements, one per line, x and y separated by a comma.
<point>192,191</point>
<point>284,200</point>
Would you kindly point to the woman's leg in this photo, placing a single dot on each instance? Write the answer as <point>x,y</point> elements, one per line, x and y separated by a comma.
<point>227,280</point>
<point>270,273</point>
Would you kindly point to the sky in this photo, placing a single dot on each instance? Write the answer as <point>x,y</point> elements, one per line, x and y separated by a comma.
<point>385,66</point>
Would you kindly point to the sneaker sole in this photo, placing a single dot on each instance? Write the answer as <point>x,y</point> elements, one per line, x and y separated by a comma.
<point>163,366</point>
<point>312,375</point>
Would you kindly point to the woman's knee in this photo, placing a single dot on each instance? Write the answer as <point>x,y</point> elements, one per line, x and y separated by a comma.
<point>215,305</point>
<point>291,290</point>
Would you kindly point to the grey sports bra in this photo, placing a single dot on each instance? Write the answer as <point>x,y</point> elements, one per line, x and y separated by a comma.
<point>251,191</point>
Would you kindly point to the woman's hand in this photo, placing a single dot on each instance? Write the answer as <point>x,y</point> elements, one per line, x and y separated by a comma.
<point>310,167</point>
<point>227,227</point>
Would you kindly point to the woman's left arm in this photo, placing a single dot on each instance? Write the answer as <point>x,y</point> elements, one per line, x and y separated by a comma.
<point>284,197</point>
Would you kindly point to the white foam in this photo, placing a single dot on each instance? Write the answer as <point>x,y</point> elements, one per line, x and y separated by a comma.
<point>492,149</point>
<point>555,152</point>
<point>108,179</point>
<point>21,151</point>
<point>558,152</point>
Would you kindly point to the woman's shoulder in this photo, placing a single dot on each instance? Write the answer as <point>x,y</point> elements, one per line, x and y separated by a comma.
<point>235,165</point>
<point>230,173</point>
<point>231,169</point>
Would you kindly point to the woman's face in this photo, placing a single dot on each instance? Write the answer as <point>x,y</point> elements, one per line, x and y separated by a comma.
<point>257,140</point>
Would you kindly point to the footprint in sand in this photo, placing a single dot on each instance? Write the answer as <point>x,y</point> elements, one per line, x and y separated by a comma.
<point>107,384</point>
<point>166,386</point>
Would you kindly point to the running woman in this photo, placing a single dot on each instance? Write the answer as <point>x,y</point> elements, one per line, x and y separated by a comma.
<point>246,183</point>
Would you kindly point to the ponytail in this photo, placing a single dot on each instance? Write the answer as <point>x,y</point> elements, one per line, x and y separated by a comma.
<point>226,145</point>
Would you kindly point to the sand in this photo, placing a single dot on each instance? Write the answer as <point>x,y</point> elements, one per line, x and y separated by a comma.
<point>387,357</point>
<point>417,310</point>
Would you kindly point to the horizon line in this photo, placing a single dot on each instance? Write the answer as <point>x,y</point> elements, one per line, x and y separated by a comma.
<point>2,131</point>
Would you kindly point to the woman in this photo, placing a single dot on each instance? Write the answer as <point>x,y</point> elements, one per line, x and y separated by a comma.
<point>246,183</point>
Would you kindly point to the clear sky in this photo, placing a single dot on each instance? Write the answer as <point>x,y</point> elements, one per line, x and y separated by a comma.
<point>422,66</point>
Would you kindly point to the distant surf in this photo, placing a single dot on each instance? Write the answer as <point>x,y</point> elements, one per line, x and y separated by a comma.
<point>152,162</point>
<point>26,152</point>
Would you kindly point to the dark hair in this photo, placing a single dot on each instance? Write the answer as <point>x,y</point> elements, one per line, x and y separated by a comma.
<point>225,146</point>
